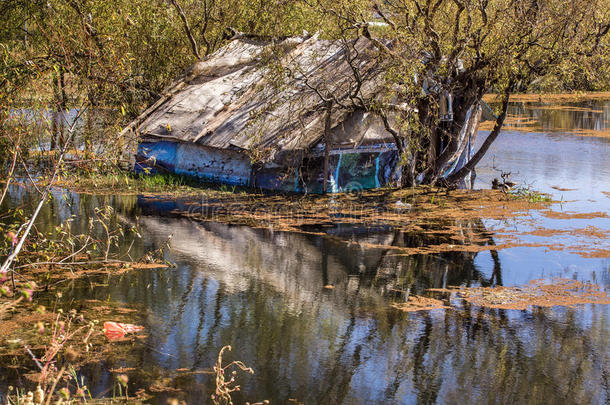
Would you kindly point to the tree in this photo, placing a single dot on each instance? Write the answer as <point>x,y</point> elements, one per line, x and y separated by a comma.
<point>464,48</point>
<point>119,56</point>
<point>116,57</point>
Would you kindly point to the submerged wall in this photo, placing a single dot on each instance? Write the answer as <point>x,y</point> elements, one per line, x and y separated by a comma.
<point>348,170</point>
<point>215,165</point>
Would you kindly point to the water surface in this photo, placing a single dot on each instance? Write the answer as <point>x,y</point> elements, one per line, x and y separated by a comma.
<point>262,292</point>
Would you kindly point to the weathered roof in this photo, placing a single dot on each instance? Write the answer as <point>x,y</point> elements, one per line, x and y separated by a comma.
<point>236,99</point>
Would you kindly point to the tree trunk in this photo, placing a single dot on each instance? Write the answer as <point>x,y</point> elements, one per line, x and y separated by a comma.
<point>62,106</point>
<point>468,167</point>
<point>58,118</point>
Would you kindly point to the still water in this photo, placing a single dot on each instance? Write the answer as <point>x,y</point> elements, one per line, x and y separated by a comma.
<point>262,292</point>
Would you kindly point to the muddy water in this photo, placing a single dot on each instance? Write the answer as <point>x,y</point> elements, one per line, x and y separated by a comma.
<point>263,293</point>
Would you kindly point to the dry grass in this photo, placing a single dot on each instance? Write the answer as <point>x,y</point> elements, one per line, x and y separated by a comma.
<point>539,293</point>
<point>550,97</point>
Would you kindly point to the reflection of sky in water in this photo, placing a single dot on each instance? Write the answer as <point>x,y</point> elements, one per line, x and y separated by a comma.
<point>522,264</point>
<point>262,292</point>
<point>234,285</point>
<point>567,162</point>
<point>580,164</point>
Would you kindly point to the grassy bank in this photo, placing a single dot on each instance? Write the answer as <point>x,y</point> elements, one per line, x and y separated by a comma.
<point>128,183</point>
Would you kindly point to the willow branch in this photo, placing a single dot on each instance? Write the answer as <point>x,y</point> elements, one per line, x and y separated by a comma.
<point>187,29</point>
<point>11,258</point>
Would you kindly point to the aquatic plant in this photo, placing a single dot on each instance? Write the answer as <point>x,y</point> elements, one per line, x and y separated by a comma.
<point>538,293</point>
<point>225,387</point>
<point>62,347</point>
<point>529,195</point>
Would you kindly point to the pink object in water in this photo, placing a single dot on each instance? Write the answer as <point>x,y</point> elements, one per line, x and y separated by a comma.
<point>116,330</point>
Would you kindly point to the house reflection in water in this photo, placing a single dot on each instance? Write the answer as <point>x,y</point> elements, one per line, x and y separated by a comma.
<point>263,293</point>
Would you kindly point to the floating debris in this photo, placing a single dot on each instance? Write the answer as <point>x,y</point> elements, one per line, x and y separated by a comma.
<point>573,215</point>
<point>419,303</point>
<point>559,188</point>
<point>540,293</point>
<point>116,330</point>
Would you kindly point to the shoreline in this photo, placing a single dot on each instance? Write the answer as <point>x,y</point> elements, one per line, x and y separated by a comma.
<point>549,97</point>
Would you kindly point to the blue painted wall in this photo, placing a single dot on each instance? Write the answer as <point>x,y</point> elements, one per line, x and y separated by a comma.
<point>348,171</point>
<point>215,165</point>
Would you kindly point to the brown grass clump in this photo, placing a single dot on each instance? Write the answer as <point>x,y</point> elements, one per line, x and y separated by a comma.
<point>419,303</point>
<point>534,126</point>
<point>558,188</point>
<point>573,215</point>
<point>599,133</point>
<point>589,232</point>
<point>595,253</point>
<point>513,123</point>
<point>549,98</point>
<point>559,292</point>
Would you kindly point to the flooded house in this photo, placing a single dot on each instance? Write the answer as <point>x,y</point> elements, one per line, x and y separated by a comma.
<point>259,113</point>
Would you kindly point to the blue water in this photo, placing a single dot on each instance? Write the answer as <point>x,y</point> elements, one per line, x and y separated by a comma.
<point>262,292</point>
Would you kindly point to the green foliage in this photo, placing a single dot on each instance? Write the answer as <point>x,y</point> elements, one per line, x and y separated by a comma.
<point>155,181</point>
<point>529,195</point>
<point>122,52</point>
<point>117,57</point>
<point>114,57</point>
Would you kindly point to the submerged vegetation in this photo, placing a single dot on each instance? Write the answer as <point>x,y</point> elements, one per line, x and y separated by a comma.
<point>57,340</point>
<point>73,73</point>
<point>538,293</point>
<point>45,340</point>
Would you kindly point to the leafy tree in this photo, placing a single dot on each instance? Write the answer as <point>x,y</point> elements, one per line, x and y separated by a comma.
<point>467,48</point>
<point>120,55</point>
<point>116,57</point>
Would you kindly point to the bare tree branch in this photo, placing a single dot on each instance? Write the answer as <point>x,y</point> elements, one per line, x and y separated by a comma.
<point>187,29</point>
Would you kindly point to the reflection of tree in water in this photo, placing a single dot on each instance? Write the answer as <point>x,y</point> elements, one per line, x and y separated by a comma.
<point>415,273</point>
<point>262,292</point>
<point>589,115</point>
<point>529,358</point>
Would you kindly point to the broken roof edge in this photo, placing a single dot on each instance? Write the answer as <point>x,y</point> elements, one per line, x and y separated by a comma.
<point>229,119</point>
<point>177,84</point>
